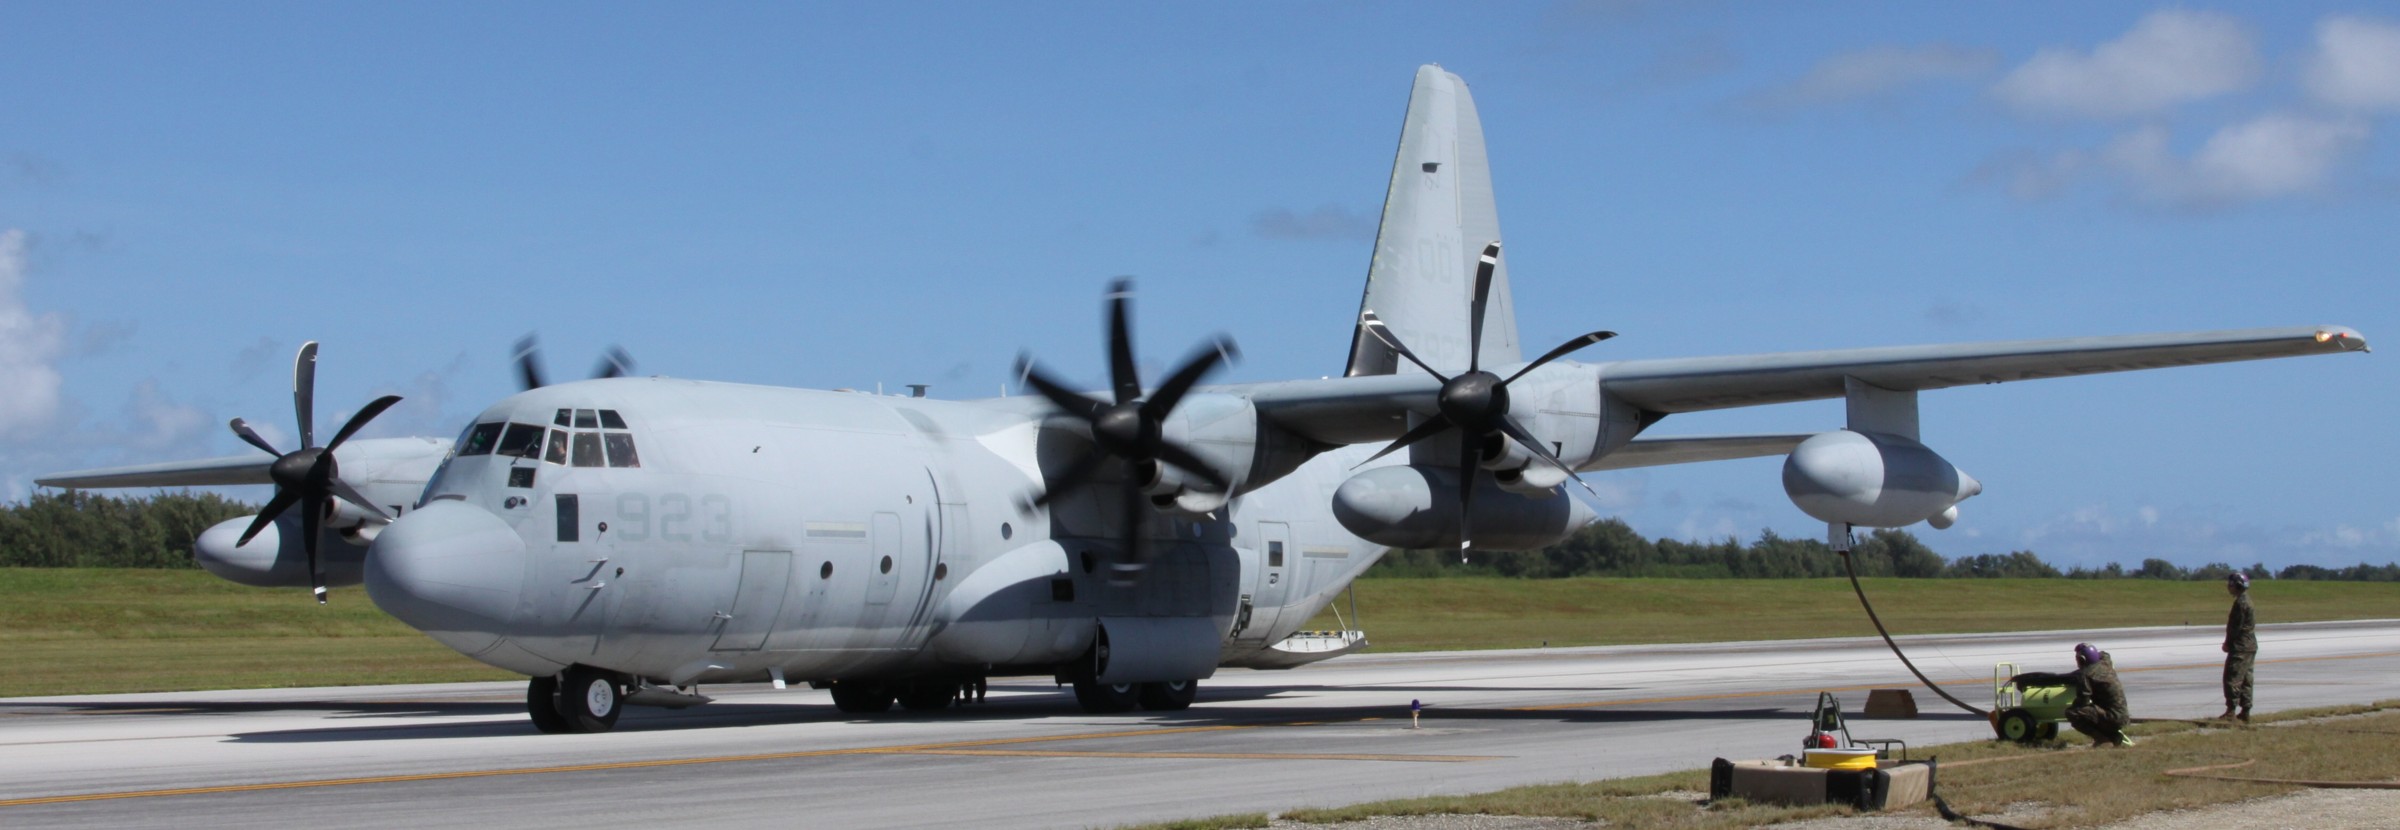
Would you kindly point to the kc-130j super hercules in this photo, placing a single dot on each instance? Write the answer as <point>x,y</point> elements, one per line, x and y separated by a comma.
<point>622,540</point>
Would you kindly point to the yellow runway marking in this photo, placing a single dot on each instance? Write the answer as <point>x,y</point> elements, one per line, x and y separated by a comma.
<point>1227,756</point>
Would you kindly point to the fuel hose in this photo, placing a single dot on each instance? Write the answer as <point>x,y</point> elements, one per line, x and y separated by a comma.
<point>1852,568</point>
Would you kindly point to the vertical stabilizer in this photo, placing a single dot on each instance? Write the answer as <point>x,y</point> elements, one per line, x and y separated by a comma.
<point>1437,217</point>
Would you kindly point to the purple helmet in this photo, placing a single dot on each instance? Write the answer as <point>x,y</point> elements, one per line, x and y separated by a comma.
<point>2238,580</point>
<point>2086,654</point>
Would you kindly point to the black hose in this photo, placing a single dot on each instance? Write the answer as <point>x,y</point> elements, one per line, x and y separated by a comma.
<point>1851,567</point>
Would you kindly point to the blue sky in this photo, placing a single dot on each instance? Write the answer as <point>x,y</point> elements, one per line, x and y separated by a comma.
<point>847,195</point>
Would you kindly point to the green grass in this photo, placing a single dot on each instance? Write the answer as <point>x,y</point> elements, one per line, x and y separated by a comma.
<point>82,631</point>
<point>1500,612</point>
<point>97,630</point>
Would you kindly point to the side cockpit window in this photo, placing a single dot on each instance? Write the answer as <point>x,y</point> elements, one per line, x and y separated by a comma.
<point>521,441</point>
<point>479,441</point>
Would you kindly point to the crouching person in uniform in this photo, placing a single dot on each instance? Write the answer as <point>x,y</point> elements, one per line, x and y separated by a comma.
<point>2099,710</point>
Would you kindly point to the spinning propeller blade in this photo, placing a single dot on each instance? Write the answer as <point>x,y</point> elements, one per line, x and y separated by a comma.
<point>309,477</point>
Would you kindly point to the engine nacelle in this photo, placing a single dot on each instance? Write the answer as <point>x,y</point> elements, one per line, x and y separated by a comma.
<point>1417,507</point>
<point>1873,479</point>
<point>1227,432</point>
<point>275,558</point>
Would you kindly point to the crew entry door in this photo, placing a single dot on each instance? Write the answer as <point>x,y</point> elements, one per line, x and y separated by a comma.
<point>1274,580</point>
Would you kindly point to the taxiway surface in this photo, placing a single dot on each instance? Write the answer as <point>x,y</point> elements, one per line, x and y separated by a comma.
<point>1330,734</point>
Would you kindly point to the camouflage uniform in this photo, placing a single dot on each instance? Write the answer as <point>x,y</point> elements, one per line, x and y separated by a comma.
<point>2241,653</point>
<point>2099,710</point>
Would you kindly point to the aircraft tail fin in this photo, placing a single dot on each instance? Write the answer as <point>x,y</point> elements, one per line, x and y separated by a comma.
<point>1437,216</point>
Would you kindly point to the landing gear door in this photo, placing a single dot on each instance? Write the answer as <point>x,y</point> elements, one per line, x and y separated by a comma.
<point>1273,582</point>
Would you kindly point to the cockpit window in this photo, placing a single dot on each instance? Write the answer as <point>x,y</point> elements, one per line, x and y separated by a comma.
<point>521,441</point>
<point>558,445</point>
<point>587,450</point>
<point>609,419</point>
<point>481,438</point>
<point>566,418</point>
<point>586,419</point>
<point>620,449</point>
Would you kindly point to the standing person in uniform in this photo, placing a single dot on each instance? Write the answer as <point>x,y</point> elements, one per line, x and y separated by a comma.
<point>2241,648</point>
<point>2099,709</point>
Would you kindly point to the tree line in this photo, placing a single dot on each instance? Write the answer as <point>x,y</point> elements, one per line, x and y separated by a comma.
<point>78,529</point>
<point>1612,548</point>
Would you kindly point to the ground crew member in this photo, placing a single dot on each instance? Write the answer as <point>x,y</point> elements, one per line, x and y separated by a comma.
<point>2241,648</point>
<point>2099,709</point>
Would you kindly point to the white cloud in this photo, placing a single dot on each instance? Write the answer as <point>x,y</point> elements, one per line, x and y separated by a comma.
<point>1880,71</point>
<point>155,422</point>
<point>2356,64</point>
<point>2273,156</point>
<point>30,345</point>
<point>2170,57</point>
<point>2269,157</point>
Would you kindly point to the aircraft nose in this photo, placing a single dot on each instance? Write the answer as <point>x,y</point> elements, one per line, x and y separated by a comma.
<point>451,570</point>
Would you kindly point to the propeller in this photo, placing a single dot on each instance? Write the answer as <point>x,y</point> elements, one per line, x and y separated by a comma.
<point>1130,428</point>
<point>1475,402</point>
<point>614,363</point>
<point>309,476</point>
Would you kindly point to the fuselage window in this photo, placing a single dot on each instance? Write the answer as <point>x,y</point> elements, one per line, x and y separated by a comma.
<point>609,420</point>
<point>586,419</point>
<point>558,446</point>
<point>1274,554</point>
<point>521,441</point>
<point>620,450</point>
<point>481,438</point>
<point>587,450</point>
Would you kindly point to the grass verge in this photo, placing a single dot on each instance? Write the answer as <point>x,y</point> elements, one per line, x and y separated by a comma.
<point>1499,612</point>
<point>2058,785</point>
<point>100,630</point>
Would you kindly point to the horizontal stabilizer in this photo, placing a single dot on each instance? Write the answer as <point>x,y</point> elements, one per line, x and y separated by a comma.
<point>1659,452</point>
<point>206,472</point>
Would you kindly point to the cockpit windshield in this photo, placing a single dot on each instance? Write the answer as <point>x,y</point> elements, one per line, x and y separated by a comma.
<point>598,438</point>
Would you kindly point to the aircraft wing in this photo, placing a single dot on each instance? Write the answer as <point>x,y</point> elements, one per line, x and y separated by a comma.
<point>1702,383</point>
<point>1659,452</point>
<point>206,472</point>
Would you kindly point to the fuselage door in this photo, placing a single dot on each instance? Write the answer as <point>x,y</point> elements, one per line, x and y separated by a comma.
<point>758,602</point>
<point>1274,578</point>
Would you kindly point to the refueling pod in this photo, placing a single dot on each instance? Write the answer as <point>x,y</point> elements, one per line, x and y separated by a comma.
<point>1874,479</point>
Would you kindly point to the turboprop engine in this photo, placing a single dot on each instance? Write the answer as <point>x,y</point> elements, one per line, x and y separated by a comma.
<point>275,558</point>
<point>1874,479</point>
<point>1226,432</point>
<point>1417,507</point>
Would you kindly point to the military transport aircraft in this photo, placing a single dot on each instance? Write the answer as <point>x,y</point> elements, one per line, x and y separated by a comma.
<point>622,540</point>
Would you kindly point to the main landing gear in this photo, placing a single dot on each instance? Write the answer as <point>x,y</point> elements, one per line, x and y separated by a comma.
<point>580,699</point>
<point>1108,698</point>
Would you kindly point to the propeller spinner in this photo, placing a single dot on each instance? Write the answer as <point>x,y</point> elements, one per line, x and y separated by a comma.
<point>309,476</point>
<point>1131,428</point>
<point>1475,402</point>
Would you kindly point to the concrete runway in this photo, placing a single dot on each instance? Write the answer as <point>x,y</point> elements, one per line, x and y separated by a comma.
<point>1335,733</point>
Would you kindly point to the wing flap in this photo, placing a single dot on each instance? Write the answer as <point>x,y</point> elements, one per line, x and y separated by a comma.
<point>1659,452</point>
<point>1703,383</point>
<point>206,472</point>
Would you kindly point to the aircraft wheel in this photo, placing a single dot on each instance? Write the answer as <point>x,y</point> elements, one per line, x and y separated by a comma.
<point>590,699</point>
<point>927,696</point>
<point>1106,698</point>
<point>862,698</point>
<point>1170,696</point>
<point>541,704</point>
<point>2017,725</point>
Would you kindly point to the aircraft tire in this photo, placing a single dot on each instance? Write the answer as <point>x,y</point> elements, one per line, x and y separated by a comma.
<point>1107,698</point>
<point>590,699</point>
<point>1170,696</point>
<point>541,705</point>
<point>862,698</point>
<point>927,696</point>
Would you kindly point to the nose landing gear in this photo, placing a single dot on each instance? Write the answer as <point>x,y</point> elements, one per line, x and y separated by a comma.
<point>580,699</point>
